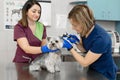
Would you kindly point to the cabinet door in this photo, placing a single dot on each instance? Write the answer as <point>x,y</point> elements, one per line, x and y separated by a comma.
<point>105,9</point>
<point>99,8</point>
<point>114,10</point>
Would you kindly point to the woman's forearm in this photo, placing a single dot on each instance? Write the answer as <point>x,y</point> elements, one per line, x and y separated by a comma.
<point>79,58</point>
<point>33,50</point>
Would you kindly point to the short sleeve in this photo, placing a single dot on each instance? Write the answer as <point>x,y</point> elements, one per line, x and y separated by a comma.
<point>18,32</point>
<point>100,45</point>
<point>44,33</point>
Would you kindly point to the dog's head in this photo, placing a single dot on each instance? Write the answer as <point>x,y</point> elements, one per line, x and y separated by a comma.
<point>54,42</point>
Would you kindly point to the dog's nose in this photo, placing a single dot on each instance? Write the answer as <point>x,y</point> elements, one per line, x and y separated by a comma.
<point>53,44</point>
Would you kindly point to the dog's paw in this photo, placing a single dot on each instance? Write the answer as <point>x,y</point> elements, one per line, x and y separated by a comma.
<point>34,67</point>
<point>57,69</point>
<point>51,71</point>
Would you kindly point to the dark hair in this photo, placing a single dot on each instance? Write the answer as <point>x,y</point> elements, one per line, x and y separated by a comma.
<point>25,9</point>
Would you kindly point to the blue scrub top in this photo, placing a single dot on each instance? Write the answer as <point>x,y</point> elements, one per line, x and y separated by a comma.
<point>99,42</point>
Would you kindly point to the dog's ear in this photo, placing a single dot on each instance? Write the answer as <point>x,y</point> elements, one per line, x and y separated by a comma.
<point>65,34</point>
<point>60,37</point>
<point>48,38</point>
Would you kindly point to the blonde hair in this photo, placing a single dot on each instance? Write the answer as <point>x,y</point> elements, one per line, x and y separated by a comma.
<point>83,15</point>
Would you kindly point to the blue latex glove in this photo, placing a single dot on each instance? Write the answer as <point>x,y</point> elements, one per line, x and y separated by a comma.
<point>73,39</point>
<point>45,49</point>
<point>67,44</point>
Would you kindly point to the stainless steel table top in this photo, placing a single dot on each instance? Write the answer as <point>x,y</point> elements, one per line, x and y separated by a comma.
<point>69,71</point>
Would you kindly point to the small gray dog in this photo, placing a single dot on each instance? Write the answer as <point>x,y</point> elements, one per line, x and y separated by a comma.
<point>50,61</point>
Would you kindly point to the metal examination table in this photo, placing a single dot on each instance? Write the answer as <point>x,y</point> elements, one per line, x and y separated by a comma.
<point>69,71</point>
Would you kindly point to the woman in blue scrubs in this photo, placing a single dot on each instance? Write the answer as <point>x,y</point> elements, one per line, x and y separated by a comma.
<point>94,40</point>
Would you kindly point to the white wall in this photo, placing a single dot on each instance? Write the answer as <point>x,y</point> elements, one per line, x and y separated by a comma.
<point>8,46</point>
<point>59,7</point>
<point>63,7</point>
<point>107,25</point>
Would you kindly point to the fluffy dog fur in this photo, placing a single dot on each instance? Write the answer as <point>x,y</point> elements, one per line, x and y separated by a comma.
<point>49,61</point>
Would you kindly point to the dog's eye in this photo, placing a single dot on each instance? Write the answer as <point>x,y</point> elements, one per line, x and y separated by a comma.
<point>56,41</point>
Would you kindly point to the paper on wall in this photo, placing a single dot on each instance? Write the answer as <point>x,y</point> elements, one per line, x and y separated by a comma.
<point>12,12</point>
<point>61,21</point>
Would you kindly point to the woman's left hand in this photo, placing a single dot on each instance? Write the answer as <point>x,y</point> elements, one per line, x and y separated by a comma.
<point>73,39</point>
<point>67,44</point>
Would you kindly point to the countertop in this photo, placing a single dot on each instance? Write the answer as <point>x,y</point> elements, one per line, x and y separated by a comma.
<point>69,71</point>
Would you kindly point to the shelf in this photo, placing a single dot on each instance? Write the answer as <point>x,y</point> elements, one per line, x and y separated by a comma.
<point>78,2</point>
<point>45,1</point>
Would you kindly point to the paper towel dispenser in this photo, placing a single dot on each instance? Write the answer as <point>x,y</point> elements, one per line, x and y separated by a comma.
<point>115,41</point>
